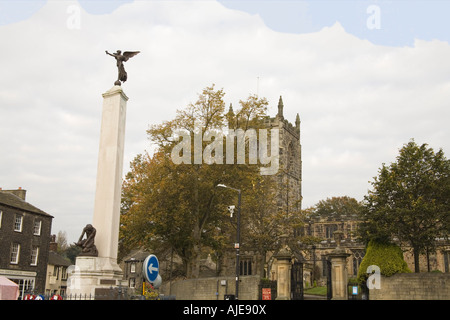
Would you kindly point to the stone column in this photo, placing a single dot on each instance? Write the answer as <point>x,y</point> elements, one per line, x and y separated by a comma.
<point>109,176</point>
<point>93,276</point>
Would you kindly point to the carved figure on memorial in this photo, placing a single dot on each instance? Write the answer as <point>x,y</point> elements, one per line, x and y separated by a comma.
<point>87,245</point>
<point>121,58</point>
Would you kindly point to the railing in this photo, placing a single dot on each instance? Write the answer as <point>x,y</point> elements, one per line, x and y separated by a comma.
<point>117,293</point>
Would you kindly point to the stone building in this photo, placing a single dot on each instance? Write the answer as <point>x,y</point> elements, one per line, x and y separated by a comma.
<point>323,227</point>
<point>132,270</point>
<point>24,241</point>
<point>314,259</point>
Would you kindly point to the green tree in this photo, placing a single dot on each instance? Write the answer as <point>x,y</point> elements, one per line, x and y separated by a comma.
<point>410,200</point>
<point>338,206</point>
<point>333,207</point>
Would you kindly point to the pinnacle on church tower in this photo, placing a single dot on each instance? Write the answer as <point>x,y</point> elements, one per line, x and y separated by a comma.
<point>280,108</point>
<point>230,116</point>
<point>297,121</point>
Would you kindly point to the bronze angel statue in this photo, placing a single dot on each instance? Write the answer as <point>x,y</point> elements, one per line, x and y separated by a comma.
<point>121,58</point>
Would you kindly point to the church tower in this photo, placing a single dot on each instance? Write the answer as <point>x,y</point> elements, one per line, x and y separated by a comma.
<point>289,175</point>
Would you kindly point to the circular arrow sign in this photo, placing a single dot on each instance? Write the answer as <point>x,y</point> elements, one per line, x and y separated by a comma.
<point>150,268</point>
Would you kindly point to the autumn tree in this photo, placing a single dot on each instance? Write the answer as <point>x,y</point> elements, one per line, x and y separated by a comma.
<point>410,200</point>
<point>175,205</point>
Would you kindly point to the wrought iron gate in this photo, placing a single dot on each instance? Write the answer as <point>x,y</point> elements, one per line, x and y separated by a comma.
<point>297,281</point>
<point>329,284</point>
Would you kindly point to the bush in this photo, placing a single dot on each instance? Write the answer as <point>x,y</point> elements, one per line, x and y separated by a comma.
<point>388,257</point>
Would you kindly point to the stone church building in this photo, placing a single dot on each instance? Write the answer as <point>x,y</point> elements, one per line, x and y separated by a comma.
<point>312,257</point>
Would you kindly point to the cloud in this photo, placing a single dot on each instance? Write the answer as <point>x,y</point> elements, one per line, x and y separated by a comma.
<point>358,102</point>
<point>382,22</point>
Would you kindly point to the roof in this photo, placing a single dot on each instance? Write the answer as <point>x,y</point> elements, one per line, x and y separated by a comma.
<point>136,255</point>
<point>14,201</point>
<point>57,260</point>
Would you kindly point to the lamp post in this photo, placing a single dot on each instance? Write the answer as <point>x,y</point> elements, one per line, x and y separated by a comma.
<point>238,236</point>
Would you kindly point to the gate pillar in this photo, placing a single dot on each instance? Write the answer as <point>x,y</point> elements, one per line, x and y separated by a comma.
<point>339,274</point>
<point>283,273</point>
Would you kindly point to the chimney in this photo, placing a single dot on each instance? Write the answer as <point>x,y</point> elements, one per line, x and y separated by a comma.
<point>53,243</point>
<point>21,193</point>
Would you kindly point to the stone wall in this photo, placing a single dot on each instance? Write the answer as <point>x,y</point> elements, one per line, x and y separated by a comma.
<point>413,286</point>
<point>212,288</point>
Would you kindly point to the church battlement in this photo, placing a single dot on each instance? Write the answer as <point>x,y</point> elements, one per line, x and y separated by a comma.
<point>282,123</point>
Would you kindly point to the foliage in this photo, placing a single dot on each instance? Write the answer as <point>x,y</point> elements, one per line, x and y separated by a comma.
<point>331,207</point>
<point>71,253</point>
<point>388,257</point>
<point>410,200</point>
<point>150,293</point>
<point>168,206</point>
<point>338,206</point>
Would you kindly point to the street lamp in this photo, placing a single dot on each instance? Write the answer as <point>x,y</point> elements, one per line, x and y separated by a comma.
<point>238,236</point>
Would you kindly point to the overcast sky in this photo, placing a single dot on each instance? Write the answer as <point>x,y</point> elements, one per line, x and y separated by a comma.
<point>365,77</point>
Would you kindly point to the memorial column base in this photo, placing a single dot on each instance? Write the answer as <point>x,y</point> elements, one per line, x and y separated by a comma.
<point>93,277</point>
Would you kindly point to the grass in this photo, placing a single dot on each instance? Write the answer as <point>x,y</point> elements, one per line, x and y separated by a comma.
<point>320,291</point>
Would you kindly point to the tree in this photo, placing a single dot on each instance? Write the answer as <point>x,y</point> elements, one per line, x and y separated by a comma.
<point>338,206</point>
<point>333,207</point>
<point>265,221</point>
<point>61,240</point>
<point>175,205</point>
<point>410,201</point>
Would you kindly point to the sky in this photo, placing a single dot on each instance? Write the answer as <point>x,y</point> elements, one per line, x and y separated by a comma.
<point>366,77</point>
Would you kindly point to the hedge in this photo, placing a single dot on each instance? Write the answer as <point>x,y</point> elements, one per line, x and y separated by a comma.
<point>388,257</point>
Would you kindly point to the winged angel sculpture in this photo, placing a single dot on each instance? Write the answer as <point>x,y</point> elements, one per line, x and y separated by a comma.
<point>121,58</point>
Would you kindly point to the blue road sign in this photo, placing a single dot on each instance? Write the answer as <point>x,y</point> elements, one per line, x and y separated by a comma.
<point>151,268</point>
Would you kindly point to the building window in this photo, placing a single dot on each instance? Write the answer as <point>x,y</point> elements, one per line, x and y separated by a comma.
<point>34,255</point>
<point>18,223</point>
<point>132,282</point>
<point>446,261</point>
<point>25,286</point>
<point>329,231</point>
<point>357,258</point>
<point>15,251</point>
<point>63,273</point>
<point>56,272</point>
<point>133,267</point>
<point>37,227</point>
<point>245,267</point>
